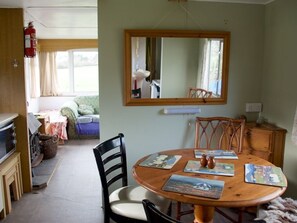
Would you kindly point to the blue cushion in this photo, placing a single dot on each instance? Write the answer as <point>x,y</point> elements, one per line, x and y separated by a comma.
<point>88,128</point>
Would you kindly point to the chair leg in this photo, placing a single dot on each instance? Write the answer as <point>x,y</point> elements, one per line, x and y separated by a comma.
<point>106,219</point>
<point>178,210</point>
<point>240,215</point>
<point>169,211</point>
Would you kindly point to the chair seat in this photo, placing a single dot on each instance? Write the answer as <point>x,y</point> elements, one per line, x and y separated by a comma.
<point>127,201</point>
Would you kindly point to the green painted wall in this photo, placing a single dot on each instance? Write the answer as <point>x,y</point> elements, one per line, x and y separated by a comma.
<point>279,91</point>
<point>146,129</point>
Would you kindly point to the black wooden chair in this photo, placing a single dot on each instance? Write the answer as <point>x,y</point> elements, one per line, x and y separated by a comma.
<point>121,203</point>
<point>154,215</point>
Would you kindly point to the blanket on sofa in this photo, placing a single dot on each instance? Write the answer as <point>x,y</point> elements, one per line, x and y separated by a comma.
<point>279,210</point>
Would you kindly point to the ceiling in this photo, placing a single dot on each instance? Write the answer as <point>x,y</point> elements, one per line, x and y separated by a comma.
<point>71,19</point>
<point>59,19</point>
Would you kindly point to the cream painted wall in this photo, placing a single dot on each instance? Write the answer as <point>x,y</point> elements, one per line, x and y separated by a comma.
<point>279,91</point>
<point>47,103</point>
<point>146,129</point>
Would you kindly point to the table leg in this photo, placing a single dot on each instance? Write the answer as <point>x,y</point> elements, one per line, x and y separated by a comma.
<point>203,214</point>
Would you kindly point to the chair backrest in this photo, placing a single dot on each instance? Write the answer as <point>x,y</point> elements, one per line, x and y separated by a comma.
<point>112,165</point>
<point>154,215</point>
<point>199,93</point>
<point>219,133</point>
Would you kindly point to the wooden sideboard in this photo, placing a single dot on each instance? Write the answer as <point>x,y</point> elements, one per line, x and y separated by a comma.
<point>266,141</point>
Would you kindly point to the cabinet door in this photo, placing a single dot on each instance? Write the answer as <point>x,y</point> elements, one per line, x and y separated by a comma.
<point>12,82</point>
<point>258,142</point>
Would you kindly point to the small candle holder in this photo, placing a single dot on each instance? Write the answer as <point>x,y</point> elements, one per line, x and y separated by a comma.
<point>203,160</point>
<point>211,163</point>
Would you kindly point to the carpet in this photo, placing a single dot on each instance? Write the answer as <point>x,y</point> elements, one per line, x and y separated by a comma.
<point>43,173</point>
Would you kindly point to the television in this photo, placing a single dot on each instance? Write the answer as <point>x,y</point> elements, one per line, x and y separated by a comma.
<point>7,140</point>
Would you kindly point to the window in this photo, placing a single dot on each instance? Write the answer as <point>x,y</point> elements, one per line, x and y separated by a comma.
<point>214,61</point>
<point>78,71</point>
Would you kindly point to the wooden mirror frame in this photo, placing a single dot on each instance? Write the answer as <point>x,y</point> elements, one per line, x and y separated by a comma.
<point>129,101</point>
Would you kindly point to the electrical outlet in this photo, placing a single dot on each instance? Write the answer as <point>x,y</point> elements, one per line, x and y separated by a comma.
<point>253,107</point>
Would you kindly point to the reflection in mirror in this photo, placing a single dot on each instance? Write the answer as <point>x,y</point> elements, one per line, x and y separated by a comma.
<point>186,63</point>
<point>165,65</point>
<point>199,93</point>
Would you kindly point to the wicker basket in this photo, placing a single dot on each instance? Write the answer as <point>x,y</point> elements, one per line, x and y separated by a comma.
<point>48,145</point>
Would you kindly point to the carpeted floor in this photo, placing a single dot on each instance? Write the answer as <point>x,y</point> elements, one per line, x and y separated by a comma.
<point>73,191</point>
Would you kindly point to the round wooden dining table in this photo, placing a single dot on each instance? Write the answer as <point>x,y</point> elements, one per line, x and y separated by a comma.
<point>236,192</point>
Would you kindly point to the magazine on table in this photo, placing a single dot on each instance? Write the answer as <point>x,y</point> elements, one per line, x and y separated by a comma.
<point>194,186</point>
<point>267,175</point>
<point>163,161</point>
<point>218,153</point>
<point>224,169</point>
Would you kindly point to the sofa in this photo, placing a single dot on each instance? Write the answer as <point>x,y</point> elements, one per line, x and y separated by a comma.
<point>82,117</point>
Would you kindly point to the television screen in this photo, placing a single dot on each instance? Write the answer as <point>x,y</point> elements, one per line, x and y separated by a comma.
<point>7,141</point>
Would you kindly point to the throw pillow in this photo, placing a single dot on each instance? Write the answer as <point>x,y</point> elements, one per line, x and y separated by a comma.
<point>85,109</point>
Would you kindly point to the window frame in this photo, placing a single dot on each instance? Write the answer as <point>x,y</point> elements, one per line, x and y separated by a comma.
<point>71,78</point>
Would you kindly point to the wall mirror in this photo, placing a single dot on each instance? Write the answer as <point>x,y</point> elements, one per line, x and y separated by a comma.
<point>170,67</point>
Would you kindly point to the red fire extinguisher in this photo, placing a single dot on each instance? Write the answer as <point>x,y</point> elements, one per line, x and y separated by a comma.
<point>30,40</point>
